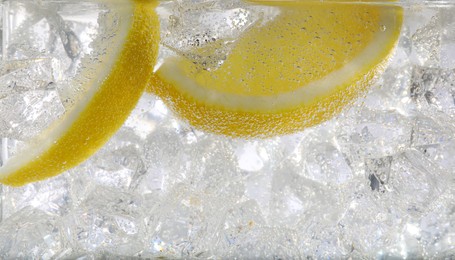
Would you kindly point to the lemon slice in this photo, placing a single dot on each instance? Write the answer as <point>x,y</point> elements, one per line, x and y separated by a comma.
<point>111,95</point>
<point>292,72</point>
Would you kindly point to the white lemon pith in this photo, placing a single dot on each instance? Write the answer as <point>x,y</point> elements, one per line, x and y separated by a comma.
<point>101,112</point>
<point>293,72</point>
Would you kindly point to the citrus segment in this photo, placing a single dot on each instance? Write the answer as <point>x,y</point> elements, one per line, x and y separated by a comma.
<point>106,105</point>
<point>298,69</point>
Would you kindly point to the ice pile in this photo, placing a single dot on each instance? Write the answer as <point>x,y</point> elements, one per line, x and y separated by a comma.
<point>377,181</point>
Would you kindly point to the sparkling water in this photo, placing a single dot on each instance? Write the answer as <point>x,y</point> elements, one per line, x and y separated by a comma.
<point>377,181</point>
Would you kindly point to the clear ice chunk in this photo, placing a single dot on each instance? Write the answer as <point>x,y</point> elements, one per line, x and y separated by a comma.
<point>30,233</point>
<point>448,39</point>
<point>374,134</point>
<point>412,173</point>
<point>50,197</point>
<point>378,172</point>
<point>29,112</point>
<point>258,242</point>
<point>427,42</point>
<point>441,154</point>
<point>106,221</point>
<point>426,132</point>
<point>205,31</point>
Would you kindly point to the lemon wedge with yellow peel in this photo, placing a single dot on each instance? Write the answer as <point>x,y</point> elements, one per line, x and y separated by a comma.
<point>111,96</point>
<point>294,71</point>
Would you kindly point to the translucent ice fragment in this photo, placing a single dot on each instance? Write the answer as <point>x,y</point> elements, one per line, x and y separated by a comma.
<point>29,113</point>
<point>107,221</point>
<point>205,31</point>
<point>375,134</point>
<point>30,233</point>
<point>51,197</point>
<point>378,172</point>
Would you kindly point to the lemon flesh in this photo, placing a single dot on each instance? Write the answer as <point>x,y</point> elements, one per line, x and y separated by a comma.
<point>106,105</point>
<point>293,72</point>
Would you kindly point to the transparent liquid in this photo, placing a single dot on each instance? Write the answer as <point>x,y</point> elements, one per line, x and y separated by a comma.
<point>375,181</point>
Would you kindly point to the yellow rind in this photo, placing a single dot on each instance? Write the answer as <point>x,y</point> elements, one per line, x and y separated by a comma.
<point>247,124</point>
<point>107,110</point>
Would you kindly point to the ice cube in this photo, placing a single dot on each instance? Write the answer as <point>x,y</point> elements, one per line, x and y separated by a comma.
<point>427,132</point>
<point>30,233</point>
<point>378,172</point>
<point>448,38</point>
<point>435,233</point>
<point>326,164</point>
<point>106,221</point>
<point>433,87</point>
<point>205,31</point>
<point>258,242</point>
<point>427,43</point>
<point>369,224</point>
<point>374,134</point>
<point>412,173</point>
<point>29,113</point>
<point>251,157</point>
<point>441,154</point>
<point>51,197</point>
